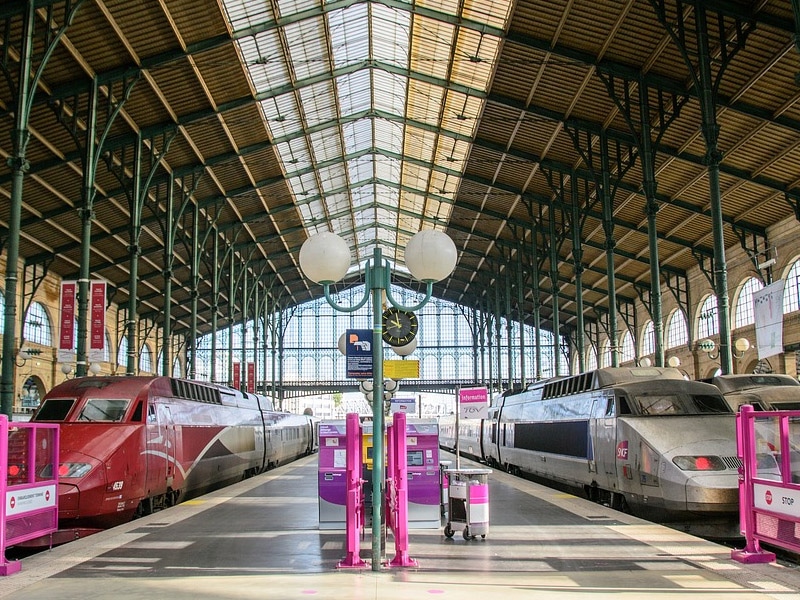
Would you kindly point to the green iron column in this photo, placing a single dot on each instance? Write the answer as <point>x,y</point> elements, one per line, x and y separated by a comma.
<point>577,262</point>
<point>610,244</point>
<point>169,247</point>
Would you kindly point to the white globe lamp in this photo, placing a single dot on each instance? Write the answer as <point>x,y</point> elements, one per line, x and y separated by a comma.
<point>407,349</point>
<point>324,257</point>
<point>431,255</point>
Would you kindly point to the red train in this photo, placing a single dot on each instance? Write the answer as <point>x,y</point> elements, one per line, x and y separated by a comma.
<point>133,445</point>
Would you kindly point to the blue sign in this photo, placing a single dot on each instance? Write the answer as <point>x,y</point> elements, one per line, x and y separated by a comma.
<point>358,352</point>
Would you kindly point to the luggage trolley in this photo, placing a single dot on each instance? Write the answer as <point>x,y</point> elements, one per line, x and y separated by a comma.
<point>468,502</point>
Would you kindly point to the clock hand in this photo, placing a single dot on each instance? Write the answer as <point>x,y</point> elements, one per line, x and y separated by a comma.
<point>397,323</point>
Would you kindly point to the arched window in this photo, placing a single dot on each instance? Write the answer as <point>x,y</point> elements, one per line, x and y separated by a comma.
<point>648,339</point>
<point>605,354</point>
<point>791,289</point>
<point>107,348</point>
<point>627,350</point>
<point>745,314</point>
<point>146,359</point>
<point>122,352</point>
<point>708,318</point>
<point>37,326</point>
<point>677,331</point>
<point>176,368</point>
<point>591,359</point>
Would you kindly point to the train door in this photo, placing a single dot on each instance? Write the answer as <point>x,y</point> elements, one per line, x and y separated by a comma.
<point>168,425</point>
<point>604,434</point>
<point>160,448</point>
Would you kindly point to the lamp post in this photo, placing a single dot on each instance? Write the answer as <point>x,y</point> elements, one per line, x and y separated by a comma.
<point>325,258</point>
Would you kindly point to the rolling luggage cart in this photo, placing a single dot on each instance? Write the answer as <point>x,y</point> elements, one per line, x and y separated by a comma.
<point>468,502</point>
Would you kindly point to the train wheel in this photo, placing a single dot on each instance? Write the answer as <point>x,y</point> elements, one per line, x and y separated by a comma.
<point>448,531</point>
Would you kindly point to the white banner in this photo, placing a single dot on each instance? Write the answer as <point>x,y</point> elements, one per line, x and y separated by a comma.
<point>768,310</point>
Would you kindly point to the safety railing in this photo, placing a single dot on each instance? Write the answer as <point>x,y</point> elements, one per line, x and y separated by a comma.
<point>28,484</point>
<point>769,483</point>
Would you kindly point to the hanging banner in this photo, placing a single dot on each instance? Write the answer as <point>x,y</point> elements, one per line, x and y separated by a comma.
<point>251,377</point>
<point>768,310</point>
<point>237,375</point>
<point>97,320</point>
<point>66,338</point>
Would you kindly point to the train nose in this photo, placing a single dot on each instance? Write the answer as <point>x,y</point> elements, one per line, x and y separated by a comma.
<point>719,493</point>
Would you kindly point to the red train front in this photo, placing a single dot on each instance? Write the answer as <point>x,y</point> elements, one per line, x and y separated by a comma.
<point>132,445</point>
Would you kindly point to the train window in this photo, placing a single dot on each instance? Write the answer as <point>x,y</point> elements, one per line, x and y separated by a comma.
<point>104,410</point>
<point>784,406</point>
<point>610,406</point>
<point>706,403</point>
<point>658,405</point>
<point>137,414</point>
<point>624,408</point>
<point>54,409</point>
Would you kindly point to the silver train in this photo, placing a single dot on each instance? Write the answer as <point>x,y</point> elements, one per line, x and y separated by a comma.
<point>643,440</point>
<point>762,391</point>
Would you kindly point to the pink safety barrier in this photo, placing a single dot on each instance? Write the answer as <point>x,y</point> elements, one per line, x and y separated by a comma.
<point>28,484</point>
<point>397,492</point>
<point>769,483</point>
<point>354,501</point>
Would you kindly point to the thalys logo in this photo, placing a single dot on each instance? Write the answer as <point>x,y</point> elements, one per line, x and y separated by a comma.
<point>622,450</point>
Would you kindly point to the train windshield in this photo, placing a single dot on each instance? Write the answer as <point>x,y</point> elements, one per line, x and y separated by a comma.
<point>54,409</point>
<point>680,404</point>
<point>97,409</point>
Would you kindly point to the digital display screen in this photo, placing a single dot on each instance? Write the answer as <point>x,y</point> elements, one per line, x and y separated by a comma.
<point>415,458</point>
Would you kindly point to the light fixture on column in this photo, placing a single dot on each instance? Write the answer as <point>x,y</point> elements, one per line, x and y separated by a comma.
<point>708,346</point>
<point>740,346</point>
<point>431,256</point>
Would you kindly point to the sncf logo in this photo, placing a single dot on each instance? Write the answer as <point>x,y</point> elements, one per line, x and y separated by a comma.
<point>622,450</point>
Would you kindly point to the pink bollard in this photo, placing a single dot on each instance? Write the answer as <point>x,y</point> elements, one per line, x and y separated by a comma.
<point>354,501</point>
<point>400,485</point>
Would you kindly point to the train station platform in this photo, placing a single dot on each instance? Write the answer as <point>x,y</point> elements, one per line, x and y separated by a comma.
<point>260,539</point>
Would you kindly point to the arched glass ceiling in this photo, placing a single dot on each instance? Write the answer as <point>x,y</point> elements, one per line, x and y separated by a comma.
<point>371,106</point>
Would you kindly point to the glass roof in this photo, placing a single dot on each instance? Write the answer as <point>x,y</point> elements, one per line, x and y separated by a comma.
<point>371,105</point>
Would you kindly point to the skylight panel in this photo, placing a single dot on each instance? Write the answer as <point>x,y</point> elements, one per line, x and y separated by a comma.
<point>264,59</point>
<point>291,7</point>
<point>389,92</point>
<point>354,92</point>
<point>388,168</point>
<point>307,46</point>
<point>349,31</point>
<point>390,35</point>
<point>362,196</point>
<point>332,177</point>
<point>389,135</point>
<point>387,196</point>
<point>364,217</point>
<point>318,102</point>
<point>419,143</point>
<point>243,14</point>
<point>337,203</point>
<point>432,43</point>
<point>415,177</point>
<point>282,115</point>
<point>357,135</point>
<point>474,59</point>
<point>326,145</point>
<point>461,113</point>
<point>361,168</point>
<point>424,102</point>
<point>492,12</point>
<point>294,154</point>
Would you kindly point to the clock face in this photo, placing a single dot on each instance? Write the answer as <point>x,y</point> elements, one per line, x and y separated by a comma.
<point>399,326</point>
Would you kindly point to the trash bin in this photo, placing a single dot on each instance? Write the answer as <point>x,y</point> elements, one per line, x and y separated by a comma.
<point>468,502</point>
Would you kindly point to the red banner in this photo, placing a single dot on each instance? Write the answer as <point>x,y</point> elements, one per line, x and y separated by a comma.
<point>66,340</point>
<point>237,375</point>
<point>251,377</point>
<point>97,330</point>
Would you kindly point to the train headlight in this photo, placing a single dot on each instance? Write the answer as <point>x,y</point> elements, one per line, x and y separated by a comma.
<point>74,470</point>
<point>699,463</point>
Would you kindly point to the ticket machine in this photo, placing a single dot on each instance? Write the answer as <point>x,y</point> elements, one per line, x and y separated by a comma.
<point>424,490</point>
<point>331,474</point>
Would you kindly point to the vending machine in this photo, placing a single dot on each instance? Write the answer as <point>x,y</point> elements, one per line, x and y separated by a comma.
<point>424,488</point>
<point>331,475</point>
